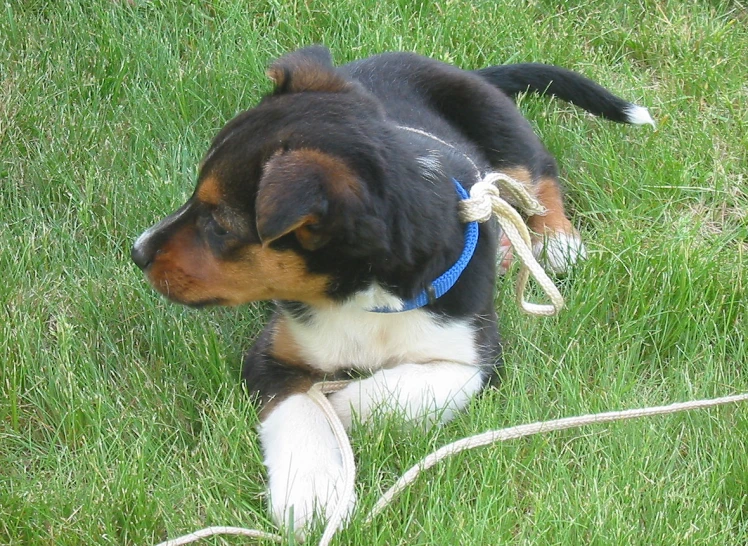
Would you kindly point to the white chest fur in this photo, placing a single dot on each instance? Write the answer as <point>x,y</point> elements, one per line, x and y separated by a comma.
<point>348,336</point>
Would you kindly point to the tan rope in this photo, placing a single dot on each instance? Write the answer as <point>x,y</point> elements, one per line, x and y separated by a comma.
<point>486,201</point>
<point>346,454</point>
<point>219,530</point>
<point>495,436</point>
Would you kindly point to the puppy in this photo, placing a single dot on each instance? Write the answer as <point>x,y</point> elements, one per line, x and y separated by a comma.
<point>337,197</point>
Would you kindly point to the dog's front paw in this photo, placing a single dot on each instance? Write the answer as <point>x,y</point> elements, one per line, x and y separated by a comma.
<point>305,470</point>
<point>314,491</point>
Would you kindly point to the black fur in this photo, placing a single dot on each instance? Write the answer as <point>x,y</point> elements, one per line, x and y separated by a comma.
<point>559,82</point>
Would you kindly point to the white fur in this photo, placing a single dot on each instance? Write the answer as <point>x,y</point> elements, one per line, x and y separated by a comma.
<point>375,297</point>
<point>348,336</point>
<point>431,166</point>
<point>305,471</point>
<point>638,115</point>
<point>423,393</point>
<point>559,251</point>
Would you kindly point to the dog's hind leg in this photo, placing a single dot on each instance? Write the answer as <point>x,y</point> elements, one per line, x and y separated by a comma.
<point>556,244</point>
<point>490,119</point>
<point>427,393</point>
<point>560,246</point>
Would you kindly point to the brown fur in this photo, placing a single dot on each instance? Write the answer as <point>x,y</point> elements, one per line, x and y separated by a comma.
<point>554,220</point>
<point>303,167</point>
<point>297,73</point>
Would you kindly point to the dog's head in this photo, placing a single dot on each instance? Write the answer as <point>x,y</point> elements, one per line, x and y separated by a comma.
<point>283,200</point>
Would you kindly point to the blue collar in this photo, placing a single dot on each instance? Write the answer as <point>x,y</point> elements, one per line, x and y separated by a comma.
<point>446,280</point>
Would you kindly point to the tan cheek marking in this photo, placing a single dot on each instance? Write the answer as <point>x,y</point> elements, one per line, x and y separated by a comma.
<point>187,271</point>
<point>267,274</point>
<point>549,194</point>
<point>183,268</point>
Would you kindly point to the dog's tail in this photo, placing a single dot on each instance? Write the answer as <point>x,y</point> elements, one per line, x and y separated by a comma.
<point>545,79</point>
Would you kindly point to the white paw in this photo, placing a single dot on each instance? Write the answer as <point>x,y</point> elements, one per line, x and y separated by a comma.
<point>309,490</point>
<point>559,251</point>
<point>305,470</point>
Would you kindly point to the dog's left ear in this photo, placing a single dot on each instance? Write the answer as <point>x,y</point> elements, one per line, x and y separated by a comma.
<point>307,69</point>
<point>307,193</point>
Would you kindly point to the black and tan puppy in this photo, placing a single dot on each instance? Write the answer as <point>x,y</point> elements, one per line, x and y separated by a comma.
<point>337,197</point>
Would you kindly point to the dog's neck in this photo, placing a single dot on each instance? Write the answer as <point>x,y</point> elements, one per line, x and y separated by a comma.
<point>444,282</point>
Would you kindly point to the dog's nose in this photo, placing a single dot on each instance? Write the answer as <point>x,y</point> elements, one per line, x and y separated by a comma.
<point>141,256</point>
<point>149,244</point>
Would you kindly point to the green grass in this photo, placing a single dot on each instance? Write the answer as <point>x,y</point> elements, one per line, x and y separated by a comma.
<point>121,416</point>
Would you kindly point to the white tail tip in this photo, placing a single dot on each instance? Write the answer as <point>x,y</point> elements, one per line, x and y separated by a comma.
<point>638,115</point>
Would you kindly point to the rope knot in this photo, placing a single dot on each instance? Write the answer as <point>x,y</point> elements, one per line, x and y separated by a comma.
<point>479,207</point>
<point>486,201</point>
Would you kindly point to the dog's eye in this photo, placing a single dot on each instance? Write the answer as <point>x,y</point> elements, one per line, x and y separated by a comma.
<point>214,228</point>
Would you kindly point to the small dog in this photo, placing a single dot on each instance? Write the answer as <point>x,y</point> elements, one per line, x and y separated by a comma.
<point>337,197</point>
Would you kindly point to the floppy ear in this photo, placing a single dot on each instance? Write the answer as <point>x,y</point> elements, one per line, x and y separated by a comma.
<point>307,193</point>
<point>307,69</point>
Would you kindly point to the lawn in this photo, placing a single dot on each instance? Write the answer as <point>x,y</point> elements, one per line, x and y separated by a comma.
<point>122,420</point>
